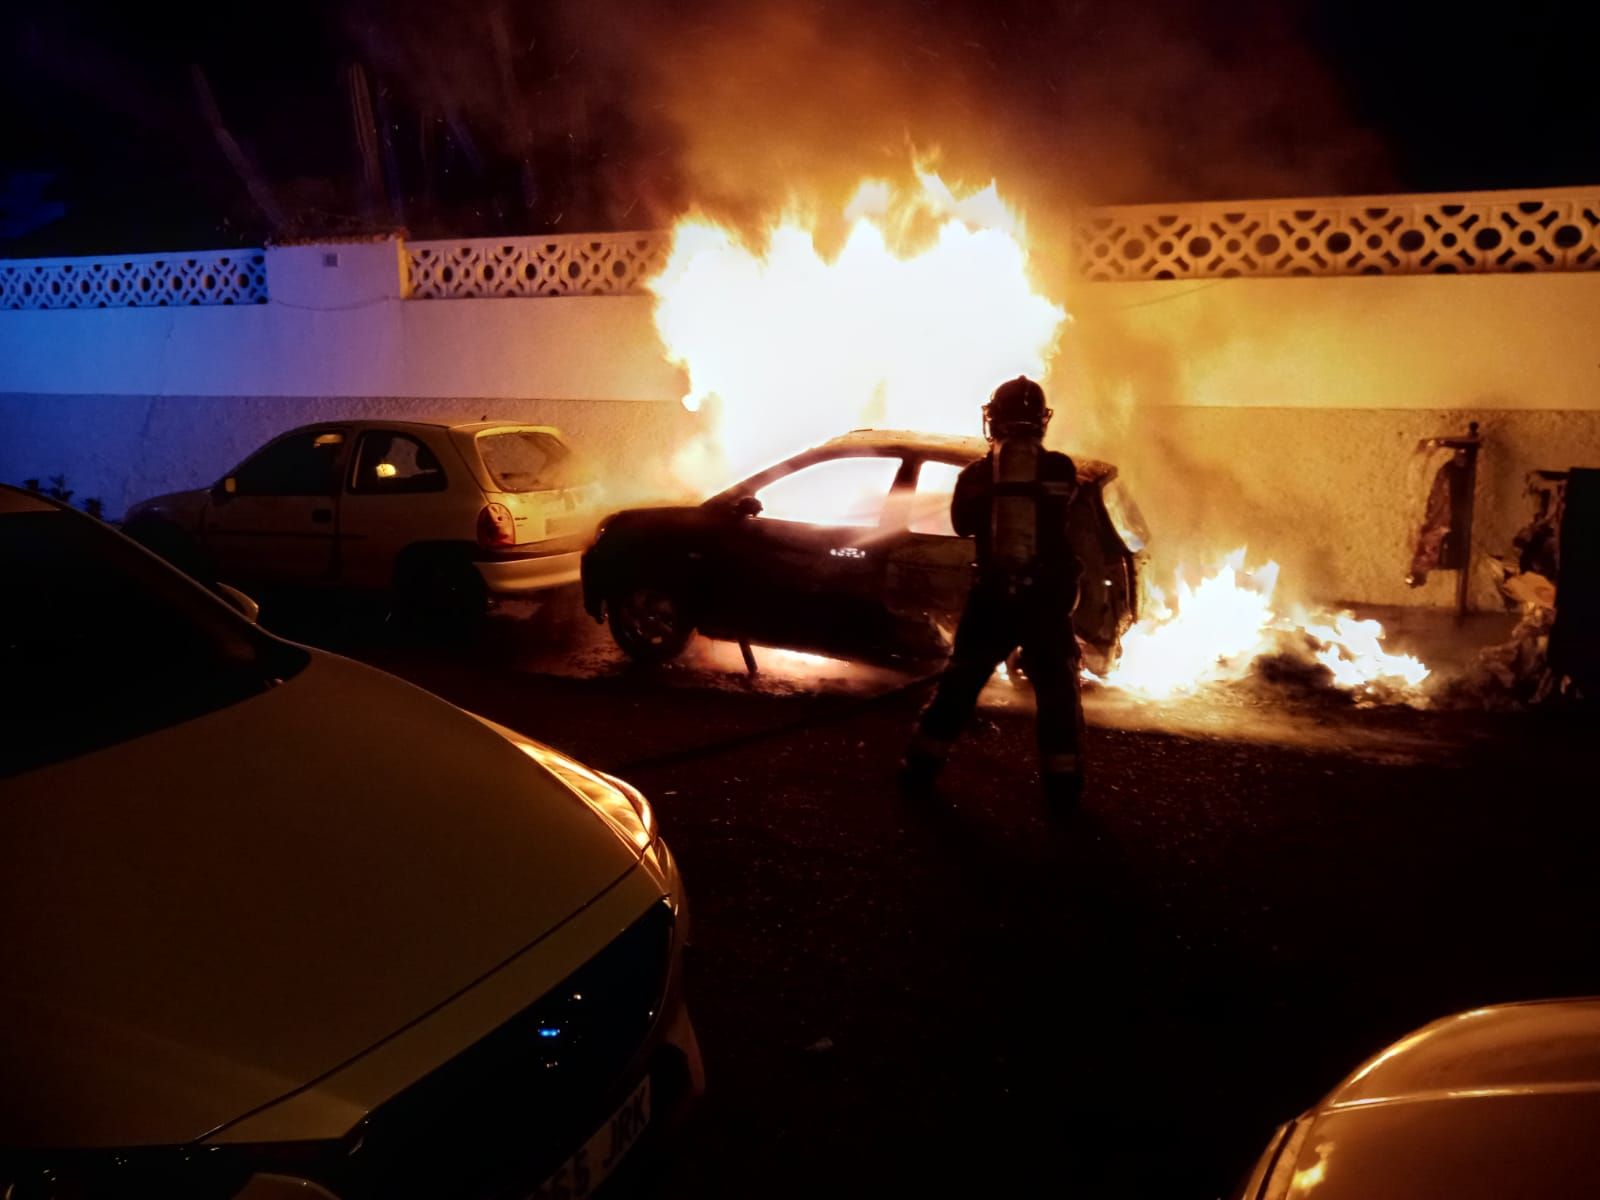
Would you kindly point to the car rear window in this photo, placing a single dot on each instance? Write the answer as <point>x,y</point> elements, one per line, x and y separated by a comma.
<point>101,642</point>
<point>528,461</point>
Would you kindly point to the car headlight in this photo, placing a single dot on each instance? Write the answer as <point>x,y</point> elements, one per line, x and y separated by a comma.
<point>621,804</point>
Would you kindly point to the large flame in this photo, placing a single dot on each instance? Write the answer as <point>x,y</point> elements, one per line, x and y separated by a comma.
<point>925,307</point>
<point>1221,628</point>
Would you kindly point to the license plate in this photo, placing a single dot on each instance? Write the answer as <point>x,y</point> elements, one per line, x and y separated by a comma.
<point>583,1173</point>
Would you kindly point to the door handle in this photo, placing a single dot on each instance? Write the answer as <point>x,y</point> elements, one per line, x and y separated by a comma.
<point>322,516</point>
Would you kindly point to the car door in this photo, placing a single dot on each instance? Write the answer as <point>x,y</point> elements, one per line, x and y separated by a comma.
<point>394,496</point>
<point>273,519</point>
<point>929,568</point>
<point>811,563</point>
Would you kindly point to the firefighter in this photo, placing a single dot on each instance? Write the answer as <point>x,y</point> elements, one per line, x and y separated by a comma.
<point>1014,503</point>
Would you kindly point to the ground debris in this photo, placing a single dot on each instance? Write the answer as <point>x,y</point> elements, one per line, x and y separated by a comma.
<point>1516,673</point>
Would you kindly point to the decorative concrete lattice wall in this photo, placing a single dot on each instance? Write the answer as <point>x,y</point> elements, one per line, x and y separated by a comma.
<point>136,280</point>
<point>599,264</point>
<point>1555,229</point>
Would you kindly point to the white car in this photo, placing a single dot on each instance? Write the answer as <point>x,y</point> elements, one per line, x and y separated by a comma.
<point>1489,1104</point>
<point>277,924</point>
<point>445,516</point>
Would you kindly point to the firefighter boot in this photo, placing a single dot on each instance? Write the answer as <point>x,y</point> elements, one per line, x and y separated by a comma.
<point>1062,777</point>
<point>1063,790</point>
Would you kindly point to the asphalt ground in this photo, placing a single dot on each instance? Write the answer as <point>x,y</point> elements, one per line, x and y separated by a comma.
<point>979,996</point>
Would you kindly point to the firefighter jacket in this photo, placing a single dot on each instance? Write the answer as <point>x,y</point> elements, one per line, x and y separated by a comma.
<point>1014,502</point>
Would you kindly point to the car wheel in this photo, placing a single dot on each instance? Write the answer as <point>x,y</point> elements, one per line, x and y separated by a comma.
<point>649,622</point>
<point>441,594</point>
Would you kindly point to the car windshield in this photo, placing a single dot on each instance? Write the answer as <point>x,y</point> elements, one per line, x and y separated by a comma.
<point>100,642</point>
<point>1125,516</point>
<point>529,461</point>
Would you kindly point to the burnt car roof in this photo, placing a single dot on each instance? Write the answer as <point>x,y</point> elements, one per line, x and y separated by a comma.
<point>971,447</point>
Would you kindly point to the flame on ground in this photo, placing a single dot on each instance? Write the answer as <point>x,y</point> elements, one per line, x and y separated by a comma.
<point>1223,627</point>
<point>925,308</point>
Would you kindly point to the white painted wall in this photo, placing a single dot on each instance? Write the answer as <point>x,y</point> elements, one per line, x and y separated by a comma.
<point>1284,414</point>
<point>1278,412</point>
<point>1528,341</point>
<point>130,402</point>
<point>581,347</point>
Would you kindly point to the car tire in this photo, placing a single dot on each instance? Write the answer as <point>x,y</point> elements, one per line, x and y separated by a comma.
<point>441,594</point>
<point>649,621</point>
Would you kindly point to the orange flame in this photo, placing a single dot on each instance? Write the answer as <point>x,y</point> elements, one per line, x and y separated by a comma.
<point>927,306</point>
<point>1219,629</point>
<point>785,347</point>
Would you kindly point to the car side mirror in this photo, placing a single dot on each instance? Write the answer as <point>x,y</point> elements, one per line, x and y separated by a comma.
<point>224,489</point>
<point>747,506</point>
<point>243,604</point>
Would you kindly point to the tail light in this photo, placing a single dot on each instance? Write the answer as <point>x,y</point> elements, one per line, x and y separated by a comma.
<point>496,528</point>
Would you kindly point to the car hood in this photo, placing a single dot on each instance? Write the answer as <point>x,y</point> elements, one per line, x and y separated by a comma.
<point>207,918</point>
<point>1490,1103</point>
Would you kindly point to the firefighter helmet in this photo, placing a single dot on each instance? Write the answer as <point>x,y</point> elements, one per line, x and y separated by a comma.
<point>1016,408</point>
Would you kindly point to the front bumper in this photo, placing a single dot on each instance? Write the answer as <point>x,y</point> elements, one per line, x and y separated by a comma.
<point>524,576</point>
<point>497,1120</point>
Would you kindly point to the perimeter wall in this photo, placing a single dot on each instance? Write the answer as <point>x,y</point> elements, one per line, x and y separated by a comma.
<point>1261,373</point>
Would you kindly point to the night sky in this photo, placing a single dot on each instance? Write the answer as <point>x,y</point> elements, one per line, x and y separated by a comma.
<point>471,117</point>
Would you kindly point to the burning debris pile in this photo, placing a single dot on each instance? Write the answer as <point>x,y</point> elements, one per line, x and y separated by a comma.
<point>1518,672</point>
<point>1227,628</point>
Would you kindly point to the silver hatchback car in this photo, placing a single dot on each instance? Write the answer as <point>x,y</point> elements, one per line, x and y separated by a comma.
<point>445,516</point>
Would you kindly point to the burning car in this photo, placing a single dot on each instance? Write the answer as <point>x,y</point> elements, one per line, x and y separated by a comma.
<point>843,549</point>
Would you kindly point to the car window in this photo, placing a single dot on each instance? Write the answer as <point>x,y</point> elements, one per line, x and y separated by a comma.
<point>302,464</point>
<point>101,642</point>
<point>389,463</point>
<point>930,503</point>
<point>836,491</point>
<point>529,461</point>
<point>1125,516</point>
